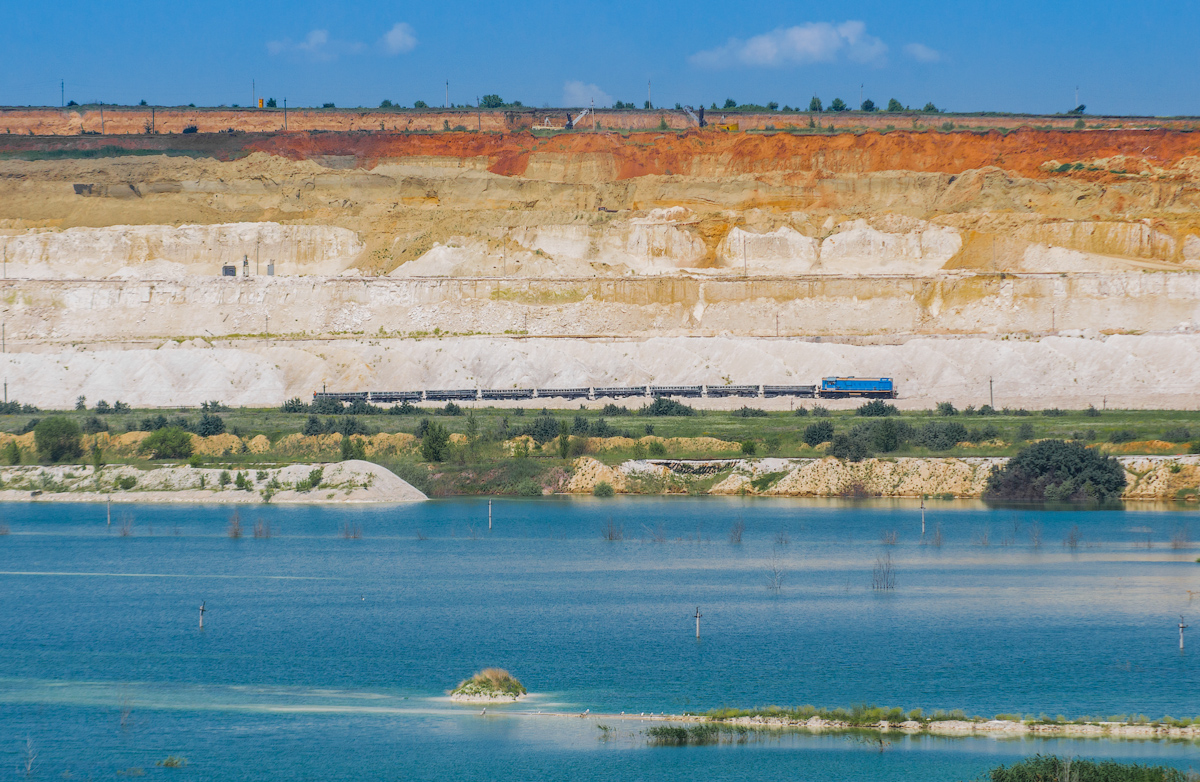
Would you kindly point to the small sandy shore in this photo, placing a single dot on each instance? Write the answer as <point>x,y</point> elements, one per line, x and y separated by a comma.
<point>355,482</point>
<point>496,698</point>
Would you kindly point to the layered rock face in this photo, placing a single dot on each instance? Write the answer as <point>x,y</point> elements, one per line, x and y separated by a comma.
<point>772,241</point>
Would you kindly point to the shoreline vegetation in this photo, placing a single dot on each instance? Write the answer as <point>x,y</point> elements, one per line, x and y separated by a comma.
<point>491,685</point>
<point>708,726</point>
<point>665,447</point>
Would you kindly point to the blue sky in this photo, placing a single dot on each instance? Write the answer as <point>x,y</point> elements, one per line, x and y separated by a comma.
<point>1125,57</point>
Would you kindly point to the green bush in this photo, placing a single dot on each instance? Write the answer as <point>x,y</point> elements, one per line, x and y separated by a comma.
<point>1057,470</point>
<point>209,425</point>
<point>435,444</point>
<point>528,488</point>
<point>664,406</point>
<point>169,443</point>
<point>941,435</point>
<point>1122,436</point>
<point>58,438</point>
<point>93,425</point>
<point>353,449</point>
<point>749,447</point>
<point>818,432</point>
<point>750,412</point>
<point>946,408</point>
<point>224,479</point>
<point>12,453</point>
<point>125,482</point>
<point>876,408</point>
<point>294,405</point>
<point>849,448</point>
<point>313,481</point>
<point>604,489</point>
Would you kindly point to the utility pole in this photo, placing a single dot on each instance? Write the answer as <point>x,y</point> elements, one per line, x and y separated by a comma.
<point>1182,627</point>
<point>991,395</point>
<point>698,615</point>
<point>593,113</point>
<point>102,119</point>
<point>285,115</point>
<point>447,104</point>
<point>649,96</point>
<point>62,93</point>
<point>202,610</point>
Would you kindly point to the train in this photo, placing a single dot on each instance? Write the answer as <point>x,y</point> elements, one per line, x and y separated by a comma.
<point>829,388</point>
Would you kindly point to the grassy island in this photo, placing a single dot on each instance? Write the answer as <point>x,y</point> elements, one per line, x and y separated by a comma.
<point>490,684</point>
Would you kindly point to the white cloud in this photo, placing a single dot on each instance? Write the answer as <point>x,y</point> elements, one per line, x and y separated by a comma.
<point>576,93</point>
<point>813,42</point>
<point>400,39</point>
<point>922,53</point>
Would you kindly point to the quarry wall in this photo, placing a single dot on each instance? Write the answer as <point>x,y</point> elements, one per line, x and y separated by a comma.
<point>134,120</point>
<point>1021,306</point>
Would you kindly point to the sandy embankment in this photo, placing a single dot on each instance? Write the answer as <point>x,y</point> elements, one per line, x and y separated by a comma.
<point>1147,477</point>
<point>342,482</point>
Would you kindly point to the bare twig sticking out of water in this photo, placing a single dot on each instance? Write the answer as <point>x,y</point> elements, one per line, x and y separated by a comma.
<point>658,534</point>
<point>472,532</point>
<point>1180,538</point>
<point>126,525</point>
<point>736,532</point>
<point>783,537</point>
<point>1073,538</point>
<point>1035,534</point>
<point>888,537</point>
<point>1011,537</point>
<point>612,531</point>
<point>126,712</point>
<point>421,535</point>
<point>874,741</point>
<point>28,757</point>
<point>884,574</point>
<point>235,525</point>
<point>985,538</point>
<point>262,529</point>
<point>351,531</point>
<point>775,573</point>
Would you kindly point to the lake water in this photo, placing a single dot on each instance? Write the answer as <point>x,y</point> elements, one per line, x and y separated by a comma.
<point>327,657</point>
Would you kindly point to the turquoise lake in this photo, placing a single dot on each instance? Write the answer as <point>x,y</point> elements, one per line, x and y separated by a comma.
<point>328,657</point>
